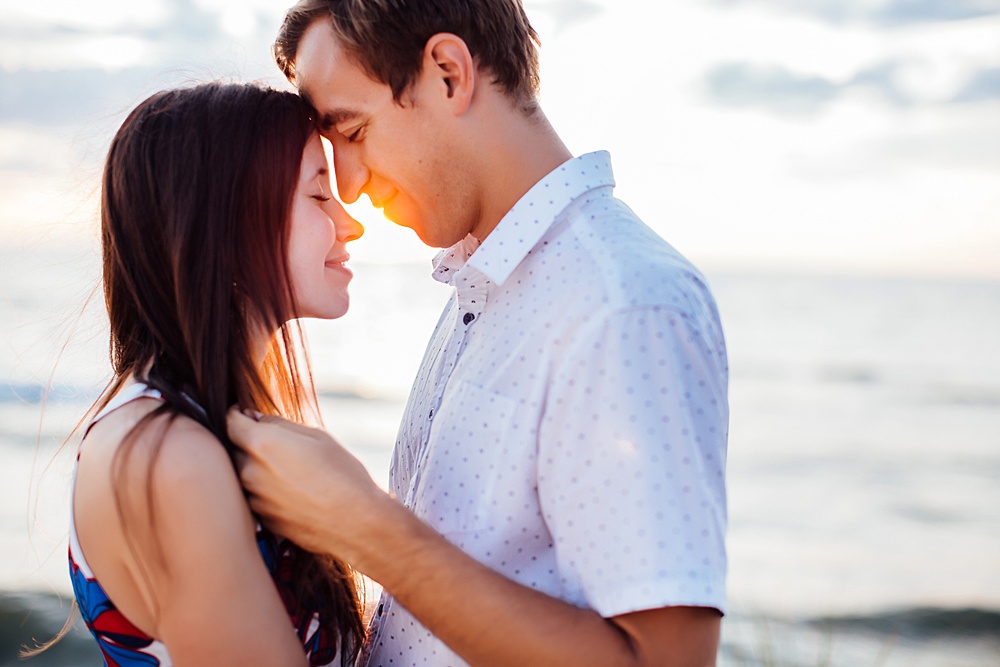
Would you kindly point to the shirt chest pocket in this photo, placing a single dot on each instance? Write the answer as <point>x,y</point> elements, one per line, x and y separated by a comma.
<point>462,478</point>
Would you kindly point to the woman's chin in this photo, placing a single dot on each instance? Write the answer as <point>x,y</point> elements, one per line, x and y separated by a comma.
<point>328,311</point>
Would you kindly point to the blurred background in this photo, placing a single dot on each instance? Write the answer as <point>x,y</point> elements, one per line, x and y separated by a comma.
<point>832,166</point>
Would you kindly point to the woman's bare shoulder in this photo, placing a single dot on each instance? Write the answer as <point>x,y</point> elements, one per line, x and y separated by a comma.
<point>145,499</point>
<point>191,564</point>
<point>132,451</point>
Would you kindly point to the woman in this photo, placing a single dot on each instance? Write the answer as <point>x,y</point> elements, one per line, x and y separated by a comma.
<point>218,230</point>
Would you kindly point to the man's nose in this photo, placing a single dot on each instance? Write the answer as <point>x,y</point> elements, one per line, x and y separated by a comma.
<point>352,175</point>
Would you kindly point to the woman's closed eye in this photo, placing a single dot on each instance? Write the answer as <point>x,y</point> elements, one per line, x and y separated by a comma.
<point>321,196</point>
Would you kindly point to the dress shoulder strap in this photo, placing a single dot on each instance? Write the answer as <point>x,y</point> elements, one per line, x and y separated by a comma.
<point>126,394</point>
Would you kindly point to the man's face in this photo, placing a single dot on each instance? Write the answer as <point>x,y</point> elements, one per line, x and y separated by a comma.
<point>405,158</point>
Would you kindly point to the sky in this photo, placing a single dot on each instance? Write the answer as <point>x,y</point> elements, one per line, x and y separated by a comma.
<point>847,136</point>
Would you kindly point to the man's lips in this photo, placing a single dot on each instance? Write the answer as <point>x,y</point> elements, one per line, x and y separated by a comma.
<point>382,202</point>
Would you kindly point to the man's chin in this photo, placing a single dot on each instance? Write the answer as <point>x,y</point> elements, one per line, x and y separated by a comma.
<point>432,238</point>
<point>430,241</point>
<point>401,221</point>
<point>426,236</point>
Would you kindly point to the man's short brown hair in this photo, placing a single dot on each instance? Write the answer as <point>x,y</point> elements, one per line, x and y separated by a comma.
<point>387,38</point>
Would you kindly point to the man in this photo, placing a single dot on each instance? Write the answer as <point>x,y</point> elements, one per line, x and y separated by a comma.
<point>557,489</point>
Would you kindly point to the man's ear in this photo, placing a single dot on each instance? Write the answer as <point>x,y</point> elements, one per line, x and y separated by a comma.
<point>451,69</point>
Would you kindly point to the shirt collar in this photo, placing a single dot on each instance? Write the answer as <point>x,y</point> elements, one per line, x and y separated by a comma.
<point>450,261</point>
<point>472,288</point>
<point>525,224</point>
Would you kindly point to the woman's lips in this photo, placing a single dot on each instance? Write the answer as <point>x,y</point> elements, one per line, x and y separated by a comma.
<point>339,264</point>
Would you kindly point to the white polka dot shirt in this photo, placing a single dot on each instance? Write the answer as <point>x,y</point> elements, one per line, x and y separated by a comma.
<point>568,425</point>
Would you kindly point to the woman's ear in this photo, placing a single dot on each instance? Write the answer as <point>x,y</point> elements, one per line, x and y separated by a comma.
<point>451,70</point>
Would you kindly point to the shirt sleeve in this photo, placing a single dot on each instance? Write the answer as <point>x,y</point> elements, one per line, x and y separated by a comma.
<point>631,466</point>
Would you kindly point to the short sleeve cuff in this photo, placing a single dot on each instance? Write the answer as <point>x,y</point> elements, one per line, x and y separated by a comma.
<point>693,592</point>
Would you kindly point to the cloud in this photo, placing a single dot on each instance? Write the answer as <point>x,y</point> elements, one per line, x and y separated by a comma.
<point>783,91</point>
<point>983,86</point>
<point>188,23</point>
<point>775,88</point>
<point>887,13</point>
<point>67,74</point>
<point>909,12</point>
<point>566,13</point>
<point>882,80</point>
<point>968,142</point>
<point>186,36</point>
<point>834,11</point>
<point>974,145</point>
<point>58,97</point>
<point>184,21</point>
<point>84,96</point>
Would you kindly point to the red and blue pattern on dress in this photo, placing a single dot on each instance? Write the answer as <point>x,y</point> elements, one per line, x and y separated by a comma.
<point>320,648</point>
<point>124,645</point>
<point>121,643</point>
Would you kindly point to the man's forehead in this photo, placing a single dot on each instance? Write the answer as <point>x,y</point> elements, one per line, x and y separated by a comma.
<point>331,109</point>
<point>320,58</point>
<point>328,77</point>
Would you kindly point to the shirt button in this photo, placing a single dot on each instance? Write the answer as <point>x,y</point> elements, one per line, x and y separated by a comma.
<point>430,415</point>
<point>468,318</point>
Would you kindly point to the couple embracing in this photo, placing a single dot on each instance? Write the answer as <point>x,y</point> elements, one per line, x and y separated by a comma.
<point>556,494</point>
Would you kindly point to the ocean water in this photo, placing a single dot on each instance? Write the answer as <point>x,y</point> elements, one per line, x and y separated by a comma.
<point>864,461</point>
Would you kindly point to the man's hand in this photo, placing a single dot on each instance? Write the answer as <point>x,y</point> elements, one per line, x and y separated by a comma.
<point>305,485</point>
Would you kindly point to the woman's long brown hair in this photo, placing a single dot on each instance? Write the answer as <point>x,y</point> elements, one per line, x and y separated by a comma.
<point>196,199</point>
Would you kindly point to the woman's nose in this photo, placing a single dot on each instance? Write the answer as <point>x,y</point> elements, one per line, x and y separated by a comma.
<point>348,229</point>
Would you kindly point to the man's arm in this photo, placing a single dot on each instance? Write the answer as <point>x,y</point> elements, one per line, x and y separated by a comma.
<point>314,491</point>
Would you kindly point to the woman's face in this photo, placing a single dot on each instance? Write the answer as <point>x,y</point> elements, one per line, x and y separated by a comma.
<point>317,243</point>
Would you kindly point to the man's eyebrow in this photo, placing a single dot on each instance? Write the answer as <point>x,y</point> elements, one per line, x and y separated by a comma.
<point>332,119</point>
<point>329,119</point>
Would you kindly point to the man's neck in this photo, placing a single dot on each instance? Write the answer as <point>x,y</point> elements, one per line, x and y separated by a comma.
<point>518,154</point>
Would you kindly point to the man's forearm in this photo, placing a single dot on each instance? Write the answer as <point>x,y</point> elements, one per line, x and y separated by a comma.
<point>488,619</point>
<point>312,491</point>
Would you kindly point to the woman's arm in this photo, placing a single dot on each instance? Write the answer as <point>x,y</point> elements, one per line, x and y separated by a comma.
<point>187,570</point>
